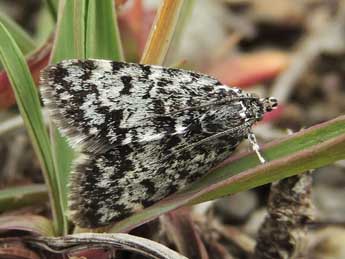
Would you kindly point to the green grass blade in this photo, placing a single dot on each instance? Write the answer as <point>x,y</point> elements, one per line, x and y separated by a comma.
<point>18,197</point>
<point>70,36</point>
<point>312,148</point>
<point>46,26</point>
<point>309,149</point>
<point>69,43</point>
<point>102,35</point>
<point>30,109</point>
<point>25,43</point>
<point>52,7</point>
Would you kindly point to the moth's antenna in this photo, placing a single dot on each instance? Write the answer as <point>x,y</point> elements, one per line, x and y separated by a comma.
<point>269,104</point>
<point>255,146</point>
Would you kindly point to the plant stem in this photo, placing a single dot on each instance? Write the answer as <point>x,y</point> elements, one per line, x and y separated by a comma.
<point>162,31</point>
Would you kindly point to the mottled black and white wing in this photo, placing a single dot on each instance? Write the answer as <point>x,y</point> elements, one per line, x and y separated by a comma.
<point>109,187</point>
<point>143,131</point>
<point>103,103</point>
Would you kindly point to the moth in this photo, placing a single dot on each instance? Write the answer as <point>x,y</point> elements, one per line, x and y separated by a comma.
<point>143,131</point>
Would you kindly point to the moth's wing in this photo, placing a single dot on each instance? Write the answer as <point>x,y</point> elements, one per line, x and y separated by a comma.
<point>109,187</point>
<point>101,103</point>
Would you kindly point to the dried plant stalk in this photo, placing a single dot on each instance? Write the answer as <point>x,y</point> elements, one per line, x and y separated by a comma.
<point>162,32</point>
<point>283,233</point>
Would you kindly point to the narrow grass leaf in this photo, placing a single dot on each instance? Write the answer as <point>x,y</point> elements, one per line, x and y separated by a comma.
<point>29,105</point>
<point>70,32</point>
<point>25,43</point>
<point>308,149</point>
<point>52,7</point>
<point>18,197</point>
<point>69,43</point>
<point>312,148</point>
<point>46,27</point>
<point>102,34</point>
<point>83,243</point>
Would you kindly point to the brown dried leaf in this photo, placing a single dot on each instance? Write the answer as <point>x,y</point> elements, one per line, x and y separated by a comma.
<point>181,229</point>
<point>37,61</point>
<point>247,69</point>
<point>33,224</point>
<point>16,251</point>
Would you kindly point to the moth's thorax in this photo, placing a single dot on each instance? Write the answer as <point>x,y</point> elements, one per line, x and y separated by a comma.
<point>236,113</point>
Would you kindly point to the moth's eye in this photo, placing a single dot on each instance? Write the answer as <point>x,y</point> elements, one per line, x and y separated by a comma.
<point>269,104</point>
<point>273,101</point>
<point>258,116</point>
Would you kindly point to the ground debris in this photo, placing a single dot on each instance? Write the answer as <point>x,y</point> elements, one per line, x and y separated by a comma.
<point>283,233</point>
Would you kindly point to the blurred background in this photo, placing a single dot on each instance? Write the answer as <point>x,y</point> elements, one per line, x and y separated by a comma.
<point>293,50</point>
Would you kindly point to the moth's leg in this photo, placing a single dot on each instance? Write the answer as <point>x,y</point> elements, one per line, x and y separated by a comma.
<point>255,146</point>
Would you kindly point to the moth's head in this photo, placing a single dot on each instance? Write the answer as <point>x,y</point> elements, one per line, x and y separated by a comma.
<point>269,103</point>
<point>263,105</point>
